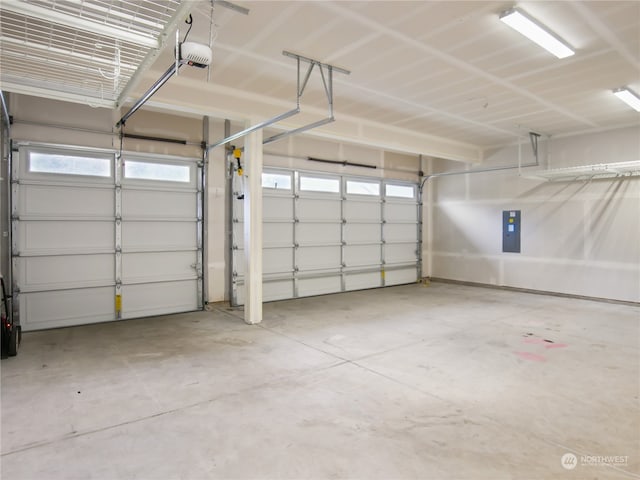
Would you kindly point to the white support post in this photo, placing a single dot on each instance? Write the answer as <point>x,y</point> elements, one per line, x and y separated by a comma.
<point>253,227</point>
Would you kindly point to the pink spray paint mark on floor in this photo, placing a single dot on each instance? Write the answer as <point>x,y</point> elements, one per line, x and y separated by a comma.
<point>531,356</point>
<point>556,345</point>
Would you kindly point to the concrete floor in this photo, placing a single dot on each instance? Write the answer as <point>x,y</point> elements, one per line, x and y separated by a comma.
<point>411,382</point>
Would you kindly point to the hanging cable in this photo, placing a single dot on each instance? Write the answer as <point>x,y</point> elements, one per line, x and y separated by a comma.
<point>213,34</point>
<point>188,21</point>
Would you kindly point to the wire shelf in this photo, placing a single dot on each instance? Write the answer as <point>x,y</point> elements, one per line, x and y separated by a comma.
<point>585,172</point>
<point>84,49</point>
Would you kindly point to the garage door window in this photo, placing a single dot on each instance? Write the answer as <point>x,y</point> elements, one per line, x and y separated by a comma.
<point>400,191</point>
<point>363,188</point>
<point>40,162</point>
<point>319,184</point>
<point>157,171</point>
<point>277,181</point>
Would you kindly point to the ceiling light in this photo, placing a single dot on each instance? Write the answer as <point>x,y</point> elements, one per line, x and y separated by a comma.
<point>536,32</point>
<point>629,97</point>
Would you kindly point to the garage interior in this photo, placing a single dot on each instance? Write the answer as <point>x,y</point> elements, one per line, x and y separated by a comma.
<point>322,239</point>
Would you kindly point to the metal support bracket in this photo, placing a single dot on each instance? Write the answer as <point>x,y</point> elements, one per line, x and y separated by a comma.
<point>534,144</point>
<point>327,82</point>
<point>173,69</point>
<point>253,128</point>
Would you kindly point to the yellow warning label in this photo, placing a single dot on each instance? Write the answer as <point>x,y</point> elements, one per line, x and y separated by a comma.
<point>118,304</point>
<point>382,274</point>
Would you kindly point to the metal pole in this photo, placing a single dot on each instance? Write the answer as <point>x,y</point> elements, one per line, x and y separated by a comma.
<point>299,92</point>
<point>255,127</point>
<point>420,214</point>
<point>282,135</point>
<point>311,60</point>
<point>228,211</point>
<point>154,88</point>
<point>178,16</point>
<point>204,196</point>
<point>5,110</point>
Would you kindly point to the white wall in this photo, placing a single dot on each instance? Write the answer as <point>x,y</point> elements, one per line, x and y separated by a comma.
<point>580,238</point>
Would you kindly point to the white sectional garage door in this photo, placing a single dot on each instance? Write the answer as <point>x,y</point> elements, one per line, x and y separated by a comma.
<point>97,238</point>
<point>328,233</point>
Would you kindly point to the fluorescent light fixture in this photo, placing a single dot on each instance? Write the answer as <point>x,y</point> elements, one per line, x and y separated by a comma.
<point>629,97</point>
<point>535,32</point>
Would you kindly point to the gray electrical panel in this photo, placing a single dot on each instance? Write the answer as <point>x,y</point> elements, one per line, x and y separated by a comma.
<point>511,231</point>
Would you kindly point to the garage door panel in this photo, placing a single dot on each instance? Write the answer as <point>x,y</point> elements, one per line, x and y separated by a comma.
<point>67,307</point>
<point>147,299</point>
<point>318,233</point>
<point>277,208</point>
<point>274,260</point>
<point>358,232</point>
<point>69,229</point>
<point>277,290</point>
<point>400,253</point>
<point>63,201</point>
<point>314,258</point>
<point>64,271</point>
<point>271,291</point>
<point>400,232</point>
<point>158,236</point>
<point>362,211</point>
<point>37,237</point>
<point>276,234</point>
<point>150,266</point>
<point>153,204</point>
<point>310,209</point>
<point>401,212</point>
<point>401,277</point>
<point>358,281</point>
<point>319,286</point>
<point>335,220</point>
<point>277,260</point>
<point>359,255</point>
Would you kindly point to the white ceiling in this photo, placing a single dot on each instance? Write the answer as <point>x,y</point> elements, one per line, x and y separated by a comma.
<point>447,69</point>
